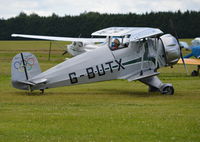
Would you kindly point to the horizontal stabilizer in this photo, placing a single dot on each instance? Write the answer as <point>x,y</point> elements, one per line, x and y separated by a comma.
<point>35,82</point>
<point>39,81</point>
<point>26,82</point>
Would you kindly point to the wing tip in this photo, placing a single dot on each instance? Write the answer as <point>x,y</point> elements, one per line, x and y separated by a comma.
<point>13,35</point>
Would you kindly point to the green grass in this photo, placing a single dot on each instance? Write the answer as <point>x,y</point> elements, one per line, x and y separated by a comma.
<point>105,111</point>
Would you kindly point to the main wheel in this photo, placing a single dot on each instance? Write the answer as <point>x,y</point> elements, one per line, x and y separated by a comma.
<point>194,73</point>
<point>167,89</point>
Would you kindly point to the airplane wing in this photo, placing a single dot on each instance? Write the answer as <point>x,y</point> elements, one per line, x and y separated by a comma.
<point>190,61</point>
<point>135,33</point>
<point>145,33</point>
<point>185,45</point>
<point>54,38</point>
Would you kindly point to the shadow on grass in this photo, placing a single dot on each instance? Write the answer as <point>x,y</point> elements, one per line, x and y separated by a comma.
<point>100,91</point>
<point>135,93</point>
<point>26,93</point>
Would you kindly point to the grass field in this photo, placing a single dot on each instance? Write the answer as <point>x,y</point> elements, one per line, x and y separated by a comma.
<point>111,111</point>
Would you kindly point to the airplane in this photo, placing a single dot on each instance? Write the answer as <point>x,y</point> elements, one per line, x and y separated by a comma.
<point>139,52</point>
<point>185,45</point>
<point>194,43</point>
<point>195,52</point>
<point>78,45</point>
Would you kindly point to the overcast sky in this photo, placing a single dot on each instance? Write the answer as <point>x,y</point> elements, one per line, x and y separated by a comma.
<point>11,8</point>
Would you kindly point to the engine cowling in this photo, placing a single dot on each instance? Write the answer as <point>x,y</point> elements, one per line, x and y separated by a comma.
<point>171,48</point>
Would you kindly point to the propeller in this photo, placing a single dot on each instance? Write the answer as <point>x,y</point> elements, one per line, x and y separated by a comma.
<point>65,52</point>
<point>61,46</point>
<point>176,36</point>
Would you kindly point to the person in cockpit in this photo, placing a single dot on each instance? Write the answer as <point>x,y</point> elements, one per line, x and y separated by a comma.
<point>116,44</point>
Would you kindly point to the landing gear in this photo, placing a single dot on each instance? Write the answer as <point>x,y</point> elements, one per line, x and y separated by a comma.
<point>194,73</point>
<point>167,89</point>
<point>153,89</point>
<point>42,91</point>
<point>155,85</point>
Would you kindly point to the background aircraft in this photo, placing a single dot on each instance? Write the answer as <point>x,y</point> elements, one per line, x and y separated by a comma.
<point>194,43</point>
<point>195,52</point>
<point>78,45</point>
<point>140,52</point>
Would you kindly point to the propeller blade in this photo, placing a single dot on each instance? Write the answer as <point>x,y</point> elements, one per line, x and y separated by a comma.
<point>65,52</point>
<point>176,36</point>
<point>183,60</point>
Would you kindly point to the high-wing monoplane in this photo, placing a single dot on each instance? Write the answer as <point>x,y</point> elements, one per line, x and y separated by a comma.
<point>194,43</point>
<point>132,53</point>
<point>195,52</point>
<point>78,45</point>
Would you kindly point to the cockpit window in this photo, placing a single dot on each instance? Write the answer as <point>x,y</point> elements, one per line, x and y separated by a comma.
<point>118,42</point>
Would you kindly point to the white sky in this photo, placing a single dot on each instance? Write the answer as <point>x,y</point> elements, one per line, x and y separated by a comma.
<point>11,8</point>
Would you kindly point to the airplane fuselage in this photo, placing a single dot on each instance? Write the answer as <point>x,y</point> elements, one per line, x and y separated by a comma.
<point>102,64</point>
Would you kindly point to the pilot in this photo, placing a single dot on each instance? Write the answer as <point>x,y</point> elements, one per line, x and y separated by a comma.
<point>116,44</point>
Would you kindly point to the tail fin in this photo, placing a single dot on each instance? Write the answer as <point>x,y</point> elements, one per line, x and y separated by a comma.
<point>24,67</point>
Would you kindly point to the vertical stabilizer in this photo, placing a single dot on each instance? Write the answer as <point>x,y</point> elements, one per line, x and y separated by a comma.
<point>24,67</point>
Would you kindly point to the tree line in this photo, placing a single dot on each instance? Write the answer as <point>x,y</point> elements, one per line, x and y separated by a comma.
<point>186,24</point>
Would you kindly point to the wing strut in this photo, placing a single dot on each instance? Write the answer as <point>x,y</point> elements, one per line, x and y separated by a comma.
<point>156,41</point>
<point>142,60</point>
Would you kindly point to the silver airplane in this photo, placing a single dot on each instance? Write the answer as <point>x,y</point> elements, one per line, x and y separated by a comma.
<point>132,53</point>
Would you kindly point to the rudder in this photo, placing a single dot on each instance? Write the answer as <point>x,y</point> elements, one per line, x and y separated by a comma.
<point>24,67</point>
